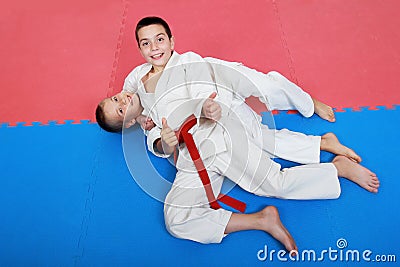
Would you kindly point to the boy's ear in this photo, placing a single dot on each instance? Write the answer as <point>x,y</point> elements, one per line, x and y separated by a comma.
<point>172,42</point>
<point>130,123</point>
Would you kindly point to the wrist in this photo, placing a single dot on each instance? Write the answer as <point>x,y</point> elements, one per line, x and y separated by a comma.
<point>157,146</point>
<point>167,149</point>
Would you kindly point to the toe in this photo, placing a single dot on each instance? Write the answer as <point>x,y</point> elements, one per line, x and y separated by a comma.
<point>375,180</point>
<point>371,189</point>
<point>370,173</point>
<point>332,116</point>
<point>373,185</point>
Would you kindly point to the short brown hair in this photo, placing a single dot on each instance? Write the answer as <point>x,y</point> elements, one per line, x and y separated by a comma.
<point>102,121</point>
<point>147,21</point>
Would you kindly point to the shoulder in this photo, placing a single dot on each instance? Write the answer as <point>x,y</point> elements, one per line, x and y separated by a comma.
<point>132,79</point>
<point>139,70</point>
<point>191,57</point>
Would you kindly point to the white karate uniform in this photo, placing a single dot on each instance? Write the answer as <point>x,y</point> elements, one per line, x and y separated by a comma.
<point>225,148</point>
<point>240,82</point>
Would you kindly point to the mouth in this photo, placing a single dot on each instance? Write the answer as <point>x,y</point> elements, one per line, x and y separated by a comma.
<point>157,56</point>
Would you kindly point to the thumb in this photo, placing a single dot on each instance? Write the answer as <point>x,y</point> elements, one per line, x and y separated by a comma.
<point>213,95</point>
<point>164,123</point>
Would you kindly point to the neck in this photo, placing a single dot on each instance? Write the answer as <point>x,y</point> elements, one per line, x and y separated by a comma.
<point>156,69</point>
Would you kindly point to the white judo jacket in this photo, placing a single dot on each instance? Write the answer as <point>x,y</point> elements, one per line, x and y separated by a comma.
<point>184,85</point>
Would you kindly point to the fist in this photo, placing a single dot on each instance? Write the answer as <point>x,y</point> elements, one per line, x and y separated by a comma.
<point>211,109</point>
<point>168,137</point>
<point>145,122</point>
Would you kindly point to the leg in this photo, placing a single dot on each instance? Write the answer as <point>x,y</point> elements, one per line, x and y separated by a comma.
<point>188,217</point>
<point>301,148</point>
<point>273,89</point>
<point>187,213</point>
<point>292,146</point>
<point>277,92</point>
<point>252,169</point>
<point>282,94</point>
<point>330,143</point>
<point>266,220</point>
<point>284,144</point>
<point>289,145</point>
<point>356,173</point>
<point>290,96</point>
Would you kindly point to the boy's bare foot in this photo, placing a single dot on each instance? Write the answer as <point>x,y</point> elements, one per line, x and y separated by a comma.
<point>270,222</point>
<point>330,143</point>
<point>356,173</point>
<point>324,111</point>
<point>266,220</point>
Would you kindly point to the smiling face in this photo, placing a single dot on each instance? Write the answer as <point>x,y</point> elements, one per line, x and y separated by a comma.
<point>155,45</point>
<point>122,107</point>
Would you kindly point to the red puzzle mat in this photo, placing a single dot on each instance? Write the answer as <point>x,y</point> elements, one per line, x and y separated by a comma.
<point>67,196</point>
<point>60,58</point>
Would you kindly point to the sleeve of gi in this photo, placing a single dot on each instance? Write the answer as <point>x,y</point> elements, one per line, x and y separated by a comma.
<point>131,82</point>
<point>152,137</point>
<point>199,80</point>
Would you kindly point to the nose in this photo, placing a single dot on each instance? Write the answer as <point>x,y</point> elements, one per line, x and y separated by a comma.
<point>122,101</point>
<point>153,46</point>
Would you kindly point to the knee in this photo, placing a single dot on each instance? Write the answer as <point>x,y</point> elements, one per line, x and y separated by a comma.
<point>274,75</point>
<point>172,217</point>
<point>332,193</point>
<point>337,194</point>
<point>176,220</point>
<point>191,224</point>
<point>278,79</point>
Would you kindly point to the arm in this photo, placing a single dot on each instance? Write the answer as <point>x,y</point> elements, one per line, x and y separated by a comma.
<point>201,85</point>
<point>154,143</point>
<point>131,83</point>
<point>145,122</point>
<point>187,86</point>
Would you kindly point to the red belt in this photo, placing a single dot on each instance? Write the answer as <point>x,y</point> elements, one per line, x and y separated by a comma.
<point>184,136</point>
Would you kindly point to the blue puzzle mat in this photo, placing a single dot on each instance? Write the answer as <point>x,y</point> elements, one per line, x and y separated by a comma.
<point>68,199</point>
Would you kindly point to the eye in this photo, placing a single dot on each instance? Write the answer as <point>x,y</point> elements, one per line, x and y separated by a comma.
<point>145,43</point>
<point>115,99</point>
<point>160,39</point>
<point>121,111</point>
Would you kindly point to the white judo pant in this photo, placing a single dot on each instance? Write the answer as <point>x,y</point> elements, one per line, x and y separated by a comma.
<point>187,212</point>
<point>273,89</point>
<point>284,144</point>
<point>277,93</point>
